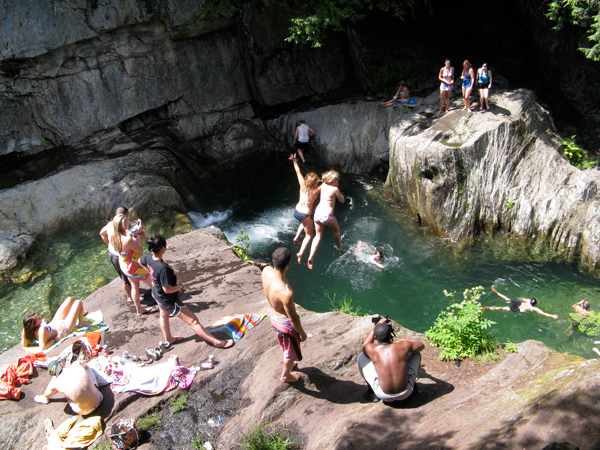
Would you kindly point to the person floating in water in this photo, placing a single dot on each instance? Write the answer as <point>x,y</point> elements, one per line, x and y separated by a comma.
<point>324,213</point>
<point>309,190</point>
<point>302,138</point>
<point>582,307</point>
<point>401,95</point>
<point>524,305</point>
<point>367,253</point>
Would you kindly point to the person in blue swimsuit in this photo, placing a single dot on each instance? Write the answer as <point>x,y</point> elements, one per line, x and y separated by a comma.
<point>484,83</point>
<point>468,77</point>
<point>68,315</point>
<point>446,78</point>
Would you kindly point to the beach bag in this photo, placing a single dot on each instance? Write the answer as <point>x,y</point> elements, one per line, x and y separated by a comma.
<point>123,435</point>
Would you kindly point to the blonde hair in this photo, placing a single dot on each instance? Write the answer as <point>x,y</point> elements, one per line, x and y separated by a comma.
<point>311,180</point>
<point>331,176</point>
<point>119,222</point>
<point>466,64</point>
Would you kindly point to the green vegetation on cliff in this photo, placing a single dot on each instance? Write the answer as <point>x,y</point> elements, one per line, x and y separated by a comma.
<point>583,13</point>
<point>461,331</point>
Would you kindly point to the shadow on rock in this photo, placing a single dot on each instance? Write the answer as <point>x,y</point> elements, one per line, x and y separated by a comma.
<point>328,387</point>
<point>424,393</point>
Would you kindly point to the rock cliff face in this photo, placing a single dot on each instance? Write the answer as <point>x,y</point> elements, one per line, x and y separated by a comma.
<point>499,170</point>
<point>524,400</point>
<point>94,67</point>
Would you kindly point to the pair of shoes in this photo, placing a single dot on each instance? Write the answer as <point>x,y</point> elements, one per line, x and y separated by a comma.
<point>153,354</point>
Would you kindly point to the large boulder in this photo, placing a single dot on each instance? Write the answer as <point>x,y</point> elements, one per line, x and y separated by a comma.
<point>499,170</point>
<point>350,137</point>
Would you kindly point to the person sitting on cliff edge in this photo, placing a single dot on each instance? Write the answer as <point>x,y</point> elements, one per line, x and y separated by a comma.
<point>401,95</point>
<point>390,368</point>
<point>523,305</point>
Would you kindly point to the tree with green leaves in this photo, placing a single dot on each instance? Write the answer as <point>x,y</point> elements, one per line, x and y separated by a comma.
<point>584,13</point>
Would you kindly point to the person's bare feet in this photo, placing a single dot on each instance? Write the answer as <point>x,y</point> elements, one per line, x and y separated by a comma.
<point>85,322</point>
<point>339,250</point>
<point>291,378</point>
<point>299,256</point>
<point>146,311</point>
<point>439,112</point>
<point>129,300</point>
<point>297,242</point>
<point>309,263</point>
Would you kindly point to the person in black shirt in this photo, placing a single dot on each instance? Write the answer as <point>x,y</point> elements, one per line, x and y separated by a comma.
<point>165,291</point>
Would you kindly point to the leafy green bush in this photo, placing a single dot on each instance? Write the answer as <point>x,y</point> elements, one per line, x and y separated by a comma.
<point>460,330</point>
<point>259,439</point>
<point>576,155</point>
<point>242,244</point>
<point>589,325</point>
<point>583,13</point>
<point>344,305</point>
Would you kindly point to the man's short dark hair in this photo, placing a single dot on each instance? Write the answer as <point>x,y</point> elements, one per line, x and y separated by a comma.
<point>533,301</point>
<point>122,210</point>
<point>383,333</point>
<point>302,121</point>
<point>585,304</point>
<point>281,258</point>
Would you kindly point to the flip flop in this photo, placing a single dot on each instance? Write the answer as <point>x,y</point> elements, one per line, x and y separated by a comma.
<point>177,339</point>
<point>228,344</point>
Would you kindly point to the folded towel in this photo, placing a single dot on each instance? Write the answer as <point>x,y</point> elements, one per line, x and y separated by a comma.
<point>236,326</point>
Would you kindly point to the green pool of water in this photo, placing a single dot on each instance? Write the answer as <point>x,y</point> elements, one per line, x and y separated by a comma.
<point>259,196</point>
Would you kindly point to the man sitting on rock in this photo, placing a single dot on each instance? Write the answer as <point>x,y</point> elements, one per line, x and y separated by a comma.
<point>390,368</point>
<point>78,383</point>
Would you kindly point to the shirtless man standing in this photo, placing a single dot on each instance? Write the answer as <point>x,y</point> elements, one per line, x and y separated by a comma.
<point>113,255</point>
<point>284,317</point>
<point>78,383</point>
<point>523,305</point>
<point>390,368</point>
<point>324,213</point>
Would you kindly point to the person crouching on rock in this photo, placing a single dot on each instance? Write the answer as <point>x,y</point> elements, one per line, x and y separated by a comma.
<point>78,383</point>
<point>165,292</point>
<point>389,368</point>
<point>284,317</point>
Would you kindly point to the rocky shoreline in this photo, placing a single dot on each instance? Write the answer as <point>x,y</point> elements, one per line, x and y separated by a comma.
<point>524,400</point>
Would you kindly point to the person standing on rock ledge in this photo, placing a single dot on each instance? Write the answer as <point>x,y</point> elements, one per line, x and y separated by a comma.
<point>302,138</point>
<point>390,368</point>
<point>446,77</point>
<point>284,317</point>
<point>165,292</point>
<point>113,255</point>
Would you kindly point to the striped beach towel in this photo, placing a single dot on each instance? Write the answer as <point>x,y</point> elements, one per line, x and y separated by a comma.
<point>236,326</point>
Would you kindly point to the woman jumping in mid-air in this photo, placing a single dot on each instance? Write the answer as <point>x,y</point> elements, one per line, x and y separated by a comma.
<point>324,213</point>
<point>309,189</point>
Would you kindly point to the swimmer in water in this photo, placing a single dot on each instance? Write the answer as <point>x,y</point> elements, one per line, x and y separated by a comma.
<point>378,256</point>
<point>524,305</point>
<point>582,307</point>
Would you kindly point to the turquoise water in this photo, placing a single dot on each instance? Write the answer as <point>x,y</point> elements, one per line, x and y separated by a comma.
<point>259,196</point>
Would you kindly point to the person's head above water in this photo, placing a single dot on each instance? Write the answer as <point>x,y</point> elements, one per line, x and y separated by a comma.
<point>585,304</point>
<point>378,254</point>
<point>156,243</point>
<point>533,301</point>
<point>281,258</point>
<point>383,333</point>
<point>330,177</point>
<point>311,180</point>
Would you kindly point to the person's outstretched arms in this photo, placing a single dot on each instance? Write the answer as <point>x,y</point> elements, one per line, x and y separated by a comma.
<point>294,158</point>
<point>501,295</point>
<point>539,311</point>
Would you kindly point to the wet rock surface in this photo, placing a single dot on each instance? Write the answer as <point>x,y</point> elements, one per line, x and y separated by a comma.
<point>524,400</point>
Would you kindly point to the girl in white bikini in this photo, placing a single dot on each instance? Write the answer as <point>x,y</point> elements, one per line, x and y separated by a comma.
<point>446,77</point>
<point>324,213</point>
